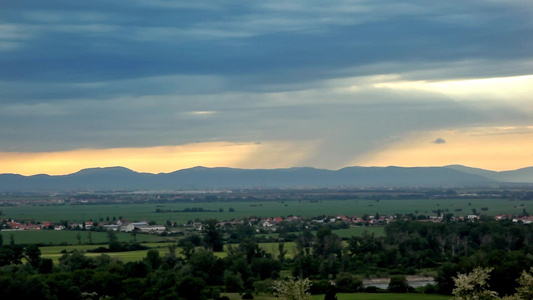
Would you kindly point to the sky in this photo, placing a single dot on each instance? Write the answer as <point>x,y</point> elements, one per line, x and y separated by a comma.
<point>158,86</point>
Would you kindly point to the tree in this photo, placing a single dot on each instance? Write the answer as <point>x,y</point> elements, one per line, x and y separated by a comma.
<point>292,289</point>
<point>251,249</point>
<point>191,288</point>
<point>473,286</point>
<point>347,283</point>
<point>233,282</point>
<point>242,231</point>
<point>331,292</point>
<point>76,261</point>
<point>188,250</point>
<point>32,253</point>
<point>304,241</point>
<point>11,254</point>
<point>153,259</point>
<point>398,284</point>
<point>525,290</point>
<point>213,238</point>
<point>172,249</point>
<point>46,266</point>
<point>282,252</point>
<point>114,245</point>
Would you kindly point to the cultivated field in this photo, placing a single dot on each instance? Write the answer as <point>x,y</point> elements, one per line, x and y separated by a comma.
<point>68,240</point>
<point>70,237</point>
<point>55,252</point>
<point>138,212</point>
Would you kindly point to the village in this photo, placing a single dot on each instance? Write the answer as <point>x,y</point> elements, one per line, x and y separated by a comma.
<point>262,225</point>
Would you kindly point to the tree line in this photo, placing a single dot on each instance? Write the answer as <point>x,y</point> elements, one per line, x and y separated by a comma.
<point>192,270</point>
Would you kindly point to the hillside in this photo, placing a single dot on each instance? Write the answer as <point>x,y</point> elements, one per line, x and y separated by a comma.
<point>197,178</point>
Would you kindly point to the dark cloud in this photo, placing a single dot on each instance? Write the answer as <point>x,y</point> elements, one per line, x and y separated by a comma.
<point>132,73</point>
<point>64,42</point>
<point>439,141</point>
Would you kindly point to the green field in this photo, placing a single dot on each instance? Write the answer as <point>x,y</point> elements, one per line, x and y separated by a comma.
<point>357,296</point>
<point>69,237</point>
<point>358,231</point>
<point>66,240</point>
<point>138,212</point>
<point>123,256</point>
<point>54,252</point>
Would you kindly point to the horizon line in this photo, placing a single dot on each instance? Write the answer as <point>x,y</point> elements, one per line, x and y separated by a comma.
<point>224,167</point>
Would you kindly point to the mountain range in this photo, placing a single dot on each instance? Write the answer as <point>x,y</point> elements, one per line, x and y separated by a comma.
<point>201,178</point>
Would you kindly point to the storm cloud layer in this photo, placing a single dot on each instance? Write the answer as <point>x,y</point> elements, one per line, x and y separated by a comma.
<point>112,74</point>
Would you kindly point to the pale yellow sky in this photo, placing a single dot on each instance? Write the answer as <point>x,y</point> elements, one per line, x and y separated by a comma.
<point>161,159</point>
<point>495,148</point>
<point>491,148</point>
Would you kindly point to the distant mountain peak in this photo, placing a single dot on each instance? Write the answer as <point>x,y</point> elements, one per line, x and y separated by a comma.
<point>121,178</point>
<point>97,170</point>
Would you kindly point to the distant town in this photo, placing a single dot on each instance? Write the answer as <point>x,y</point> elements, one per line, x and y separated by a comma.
<point>262,224</point>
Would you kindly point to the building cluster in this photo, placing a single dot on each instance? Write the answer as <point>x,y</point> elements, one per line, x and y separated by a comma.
<point>270,223</point>
<point>120,225</point>
<point>125,226</point>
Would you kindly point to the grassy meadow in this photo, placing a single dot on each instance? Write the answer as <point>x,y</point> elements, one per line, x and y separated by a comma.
<point>55,252</point>
<point>68,240</point>
<point>55,242</point>
<point>138,212</point>
<point>70,237</point>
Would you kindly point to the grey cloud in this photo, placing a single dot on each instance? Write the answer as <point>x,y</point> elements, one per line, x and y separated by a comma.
<point>439,141</point>
<point>305,41</point>
<point>131,73</point>
<point>346,127</point>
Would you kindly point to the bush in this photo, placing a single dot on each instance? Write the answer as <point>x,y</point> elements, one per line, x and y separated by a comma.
<point>374,289</point>
<point>430,288</point>
<point>319,287</point>
<point>233,282</point>
<point>215,294</point>
<point>398,284</point>
<point>247,295</point>
<point>347,283</point>
<point>264,286</point>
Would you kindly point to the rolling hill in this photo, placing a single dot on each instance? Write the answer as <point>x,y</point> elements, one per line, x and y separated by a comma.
<point>201,178</point>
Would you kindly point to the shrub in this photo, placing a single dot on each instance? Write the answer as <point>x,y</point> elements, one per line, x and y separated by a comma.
<point>398,284</point>
<point>347,283</point>
<point>430,288</point>
<point>319,287</point>
<point>247,295</point>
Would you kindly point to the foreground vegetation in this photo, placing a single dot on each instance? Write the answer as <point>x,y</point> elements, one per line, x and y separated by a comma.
<point>242,257</point>
<point>193,268</point>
